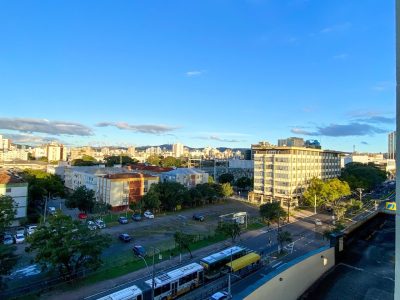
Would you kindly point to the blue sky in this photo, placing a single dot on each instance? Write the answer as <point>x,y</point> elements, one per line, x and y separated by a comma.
<point>217,73</point>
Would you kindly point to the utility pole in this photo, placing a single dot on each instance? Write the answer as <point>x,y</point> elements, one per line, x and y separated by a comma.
<point>315,204</point>
<point>360,190</point>
<point>154,271</point>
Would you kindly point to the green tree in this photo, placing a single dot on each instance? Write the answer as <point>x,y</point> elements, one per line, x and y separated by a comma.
<point>334,190</point>
<point>315,191</point>
<point>272,212</point>
<point>7,257</point>
<point>117,159</point>
<point>184,241</point>
<point>359,175</point>
<point>244,183</point>
<point>170,161</point>
<point>8,210</point>
<point>230,229</point>
<point>283,237</point>
<point>86,160</point>
<point>211,179</point>
<point>154,160</point>
<point>151,200</point>
<point>67,246</point>
<point>40,185</point>
<point>82,198</point>
<point>226,178</point>
<point>171,194</point>
<point>227,189</point>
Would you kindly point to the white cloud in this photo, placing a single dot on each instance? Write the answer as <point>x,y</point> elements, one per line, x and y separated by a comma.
<point>341,56</point>
<point>45,126</point>
<point>142,128</point>
<point>194,73</point>
<point>337,27</point>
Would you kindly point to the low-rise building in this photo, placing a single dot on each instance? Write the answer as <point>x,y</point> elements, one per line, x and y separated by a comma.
<point>120,190</point>
<point>13,185</point>
<point>187,177</point>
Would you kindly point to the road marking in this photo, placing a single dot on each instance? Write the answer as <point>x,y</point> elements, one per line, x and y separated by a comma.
<point>277,264</point>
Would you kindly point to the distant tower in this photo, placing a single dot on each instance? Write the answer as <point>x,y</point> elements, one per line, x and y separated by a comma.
<point>392,145</point>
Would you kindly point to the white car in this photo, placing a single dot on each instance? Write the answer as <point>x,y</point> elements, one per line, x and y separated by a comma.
<point>8,240</point>
<point>147,214</point>
<point>91,225</point>
<point>31,229</point>
<point>220,296</point>
<point>19,238</point>
<point>20,230</point>
<point>100,223</point>
<point>51,210</point>
<point>318,222</point>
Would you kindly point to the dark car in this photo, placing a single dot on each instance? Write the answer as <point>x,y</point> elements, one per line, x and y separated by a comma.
<point>137,217</point>
<point>198,217</point>
<point>139,250</point>
<point>125,237</point>
<point>122,220</point>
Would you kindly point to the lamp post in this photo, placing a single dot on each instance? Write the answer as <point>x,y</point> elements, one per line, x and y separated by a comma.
<point>154,271</point>
<point>360,190</point>
<point>315,204</point>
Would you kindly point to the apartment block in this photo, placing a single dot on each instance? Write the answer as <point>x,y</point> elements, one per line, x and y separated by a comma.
<point>120,190</point>
<point>187,177</point>
<point>14,186</point>
<point>283,173</point>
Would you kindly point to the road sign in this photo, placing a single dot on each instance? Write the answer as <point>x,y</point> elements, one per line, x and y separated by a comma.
<point>391,205</point>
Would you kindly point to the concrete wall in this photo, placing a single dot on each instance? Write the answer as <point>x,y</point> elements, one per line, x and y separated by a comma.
<point>292,282</point>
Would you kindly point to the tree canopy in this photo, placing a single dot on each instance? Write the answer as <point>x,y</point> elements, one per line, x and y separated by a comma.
<point>117,159</point>
<point>170,161</point>
<point>7,257</point>
<point>154,160</point>
<point>226,178</point>
<point>230,229</point>
<point>184,240</point>
<point>244,183</point>
<point>227,189</point>
<point>359,175</point>
<point>82,198</point>
<point>67,246</point>
<point>41,185</point>
<point>86,160</point>
<point>272,212</point>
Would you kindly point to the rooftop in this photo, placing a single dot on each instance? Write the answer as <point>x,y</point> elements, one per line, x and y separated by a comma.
<point>7,177</point>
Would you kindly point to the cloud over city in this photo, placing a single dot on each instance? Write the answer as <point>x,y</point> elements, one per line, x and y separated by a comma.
<point>218,138</point>
<point>45,126</point>
<point>142,128</point>
<point>340,130</point>
<point>30,139</point>
<point>194,73</point>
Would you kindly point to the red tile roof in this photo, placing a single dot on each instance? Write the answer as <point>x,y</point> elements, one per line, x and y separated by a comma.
<point>8,178</point>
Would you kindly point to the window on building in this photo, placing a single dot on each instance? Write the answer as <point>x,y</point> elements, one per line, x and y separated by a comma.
<point>8,190</point>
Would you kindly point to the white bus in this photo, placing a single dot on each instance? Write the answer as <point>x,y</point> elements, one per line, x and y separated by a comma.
<point>177,282</point>
<point>130,293</point>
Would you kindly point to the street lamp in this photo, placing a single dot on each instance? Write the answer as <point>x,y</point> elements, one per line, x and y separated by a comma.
<point>360,190</point>
<point>154,270</point>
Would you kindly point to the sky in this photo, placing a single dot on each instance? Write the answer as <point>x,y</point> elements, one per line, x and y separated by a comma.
<point>203,73</point>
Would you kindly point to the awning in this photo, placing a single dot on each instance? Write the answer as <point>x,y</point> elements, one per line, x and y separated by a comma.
<point>243,261</point>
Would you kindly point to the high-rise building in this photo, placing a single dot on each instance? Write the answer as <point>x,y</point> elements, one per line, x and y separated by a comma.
<point>5,144</point>
<point>177,149</point>
<point>291,142</point>
<point>283,173</point>
<point>392,145</point>
<point>56,152</point>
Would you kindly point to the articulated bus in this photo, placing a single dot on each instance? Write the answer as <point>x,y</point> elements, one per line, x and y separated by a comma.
<point>243,265</point>
<point>215,262</point>
<point>177,282</point>
<point>167,285</point>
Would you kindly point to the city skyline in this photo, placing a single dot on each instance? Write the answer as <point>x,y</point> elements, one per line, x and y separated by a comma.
<point>212,74</point>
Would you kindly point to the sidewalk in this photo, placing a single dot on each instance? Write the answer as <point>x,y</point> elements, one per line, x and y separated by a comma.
<point>103,286</point>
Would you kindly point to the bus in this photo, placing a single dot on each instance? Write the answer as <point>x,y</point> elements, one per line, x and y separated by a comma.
<point>243,265</point>
<point>215,262</point>
<point>130,293</point>
<point>177,282</point>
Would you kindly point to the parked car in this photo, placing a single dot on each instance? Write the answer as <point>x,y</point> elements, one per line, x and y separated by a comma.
<point>148,214</point>
<point>139,250</point>
<point>137,217</point>
<point>318,222</point>
<point>220,296</point>
<point>100,223</point>
<point>82,216</point>
<point>20,230</point>
<point>8,239</point>
<point>31,229</point>
<point>91,225</point>
<point>19,238</point>
<point>51,210</point>
<point>123,220</point>
<point>125,237</point>
<point>198,217</point>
